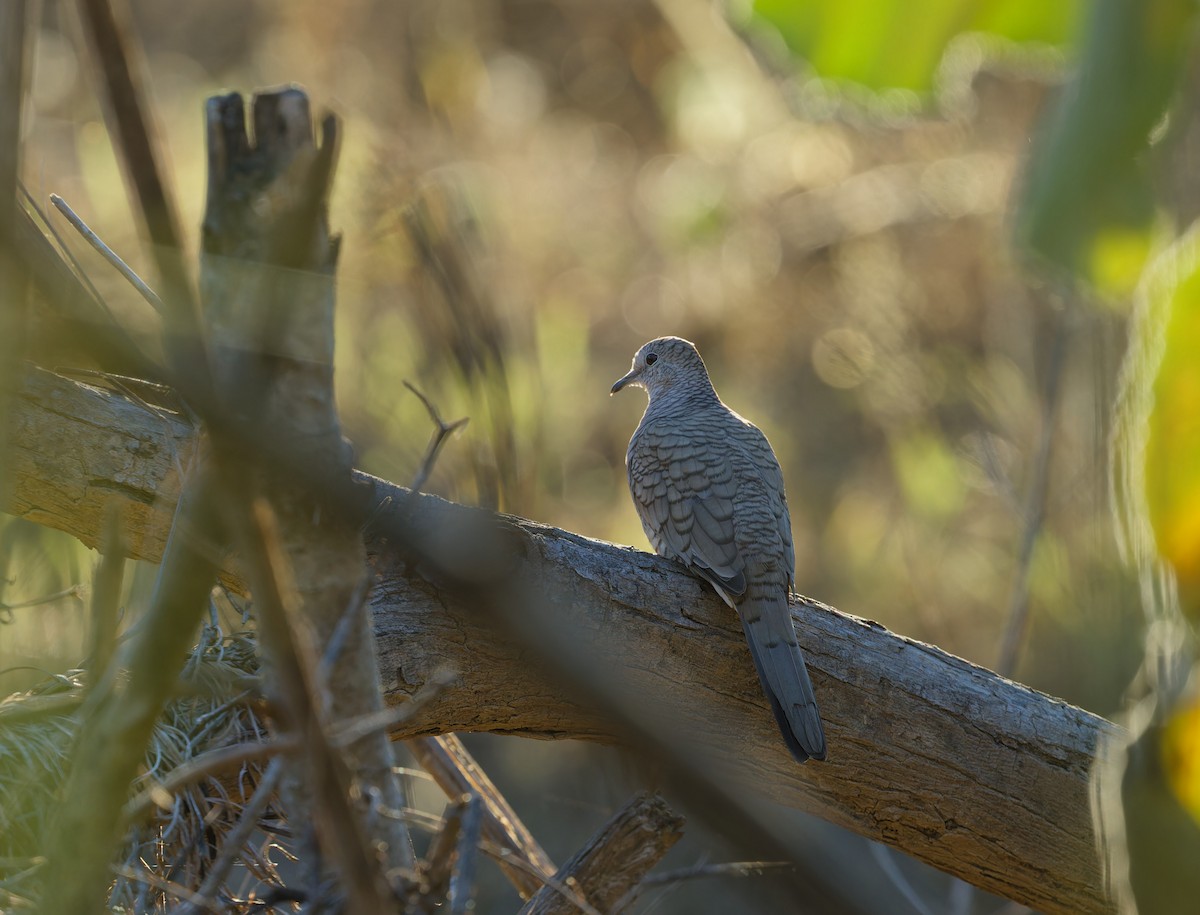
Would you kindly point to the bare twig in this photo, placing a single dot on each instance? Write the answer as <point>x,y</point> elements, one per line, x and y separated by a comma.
<point>1035,506</point>
<point>66,253</point>
<point>18,19</point>
<point>107,253</point>
<point>442,431</point>
<point>132,127</point>
<point>206,765</point>
<point>6,609</point>
<point>168,886</point>
<point>724,869</point>
<point>343,838</point>
<point>112,742</point>
<point>346,623</point>
<point>462,879</point>
<point>439,860</point>
<point>454,769</point>
<point>364,725</point>
<point>106,597</point>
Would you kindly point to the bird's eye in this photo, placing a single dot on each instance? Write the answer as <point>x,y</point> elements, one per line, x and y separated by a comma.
<point>651,358</point>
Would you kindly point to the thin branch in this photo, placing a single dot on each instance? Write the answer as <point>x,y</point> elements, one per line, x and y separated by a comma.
<point>7,609</point>
<point>350,618</point>
<point>67,254</point>
<point>132,128</point>
<point>297,694</point>
<point>106,598</point>
<point>168,886</point>
<point>385,719</point>
<point>439,860</point>
<point>462,878</point>
<point>451,765</point>
<point>207,765</point>
<point>107,253</point>
<point>1035,508</point>
<point>442,431</point>
<point>725,869</point>
<point>112,741</point>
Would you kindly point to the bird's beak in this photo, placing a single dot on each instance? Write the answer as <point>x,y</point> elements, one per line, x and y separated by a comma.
<point>621,382</point>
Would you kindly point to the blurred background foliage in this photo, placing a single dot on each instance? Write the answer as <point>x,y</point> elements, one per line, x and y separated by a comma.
<point>821,195</point>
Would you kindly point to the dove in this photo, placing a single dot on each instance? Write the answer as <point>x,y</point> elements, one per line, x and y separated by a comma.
<point>709,491</point>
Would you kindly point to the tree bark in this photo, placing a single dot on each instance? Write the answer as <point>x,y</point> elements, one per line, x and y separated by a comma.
<point>978,776</point>
<point>615,859</point>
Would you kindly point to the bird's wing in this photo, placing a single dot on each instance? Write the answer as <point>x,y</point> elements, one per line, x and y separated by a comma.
<point>767,464</point>
<point>683,487</point>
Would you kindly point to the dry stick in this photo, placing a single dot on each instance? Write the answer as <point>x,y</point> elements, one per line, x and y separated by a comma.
<point>6,609</point>
<point>226,759</point>
<point>345,626</point>
<point>107,253</point>
<point>1035,508</point>
<point>236,838</point>
<point>111,744</point>
<point>439,862</point>
<point>68,256</point>
<point>504,857</point>
<point>343,840</point>
<point>70,296</point>
<point>168,886</point>
<point>615,859</point>
<point>447,759</point>
<point>17,18</point>
<point>462,878</point>
<point>184,341</point>
<point>213,763</point>
<point>106,598</point>
<point>269,262</point>
<point>454,769</point>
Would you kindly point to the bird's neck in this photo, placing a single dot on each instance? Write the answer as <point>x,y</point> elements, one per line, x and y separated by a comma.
<point>680,397</point>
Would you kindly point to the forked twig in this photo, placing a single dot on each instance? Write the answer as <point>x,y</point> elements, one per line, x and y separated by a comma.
<point>440,434</point>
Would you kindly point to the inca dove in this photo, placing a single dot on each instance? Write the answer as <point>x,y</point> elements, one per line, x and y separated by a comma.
<point>709,491</point>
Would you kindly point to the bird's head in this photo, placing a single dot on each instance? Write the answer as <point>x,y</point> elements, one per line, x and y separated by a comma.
<point>666,364</point>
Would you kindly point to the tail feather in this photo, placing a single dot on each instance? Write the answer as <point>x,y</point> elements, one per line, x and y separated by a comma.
<point>783,674</point>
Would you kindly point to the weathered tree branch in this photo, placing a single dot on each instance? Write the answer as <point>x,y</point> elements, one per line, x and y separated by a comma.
<point>981,777</point>
<point>612,862</point>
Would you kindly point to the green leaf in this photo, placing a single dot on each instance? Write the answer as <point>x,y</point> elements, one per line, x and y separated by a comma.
<point>890,44</point>
<point>1087,205</point>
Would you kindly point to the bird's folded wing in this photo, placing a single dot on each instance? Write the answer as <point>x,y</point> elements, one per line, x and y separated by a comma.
<point>684,493</point>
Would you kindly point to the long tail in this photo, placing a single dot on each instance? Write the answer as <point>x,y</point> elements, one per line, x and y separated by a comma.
<point>767,623</point>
